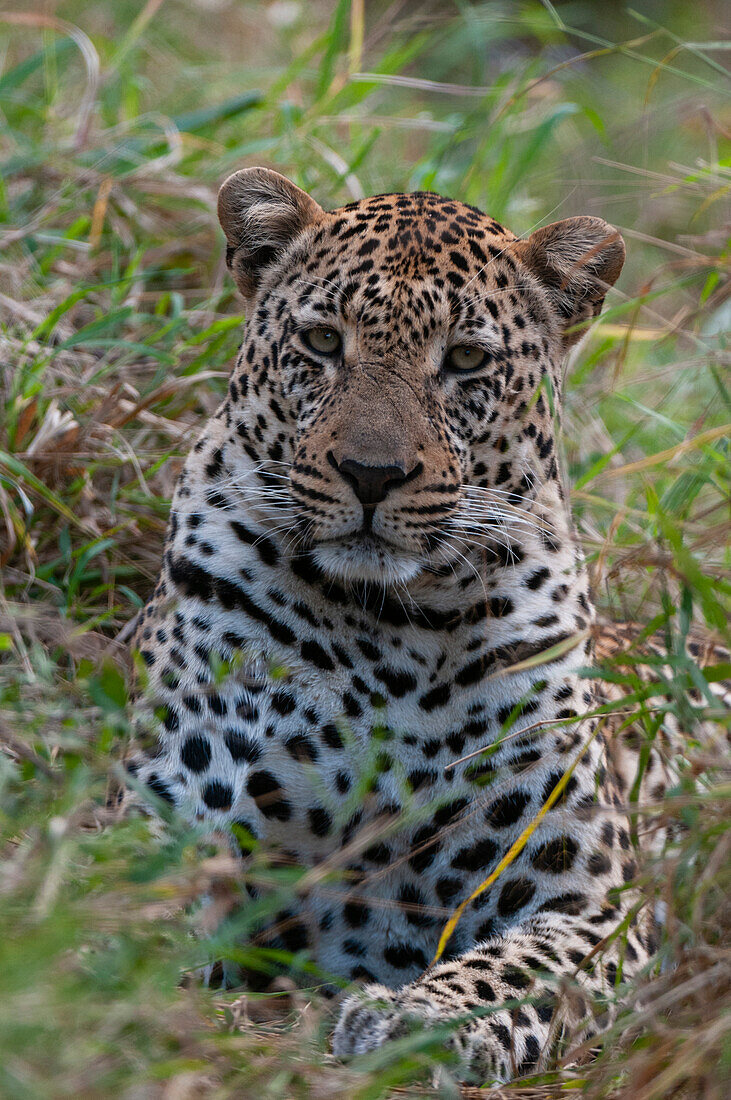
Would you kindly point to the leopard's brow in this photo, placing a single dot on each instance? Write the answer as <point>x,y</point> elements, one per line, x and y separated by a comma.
<point>480,331</point>
<point>315,312</point>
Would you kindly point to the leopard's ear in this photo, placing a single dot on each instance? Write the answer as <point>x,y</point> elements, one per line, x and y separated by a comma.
<point>577,260</point>
<point>260,213</point>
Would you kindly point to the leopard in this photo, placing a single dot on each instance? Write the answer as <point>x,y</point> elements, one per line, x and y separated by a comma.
<point>368,643</point>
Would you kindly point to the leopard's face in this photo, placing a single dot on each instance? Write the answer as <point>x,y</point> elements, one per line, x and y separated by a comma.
<point>395,383</point>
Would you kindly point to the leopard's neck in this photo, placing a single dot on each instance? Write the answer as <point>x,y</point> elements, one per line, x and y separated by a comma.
<point>434,652</point>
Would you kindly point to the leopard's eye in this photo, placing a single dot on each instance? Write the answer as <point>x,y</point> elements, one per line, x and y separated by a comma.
<point>465,357</point>
<point>322,339</point>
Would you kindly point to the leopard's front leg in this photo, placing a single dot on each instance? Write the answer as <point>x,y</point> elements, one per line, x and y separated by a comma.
<point>511,1000</point>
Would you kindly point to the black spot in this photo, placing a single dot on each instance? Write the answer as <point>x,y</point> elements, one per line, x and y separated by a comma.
<point>459,260</point>
<point>537,579</point>
<point>264,546</point>
<point>314,653</point>
<point>368,650</point>
<point>159,788</point>
<point>515,895</point>
<point>475,670</point>
<point>477,857</point>
<point>448,888</point>
<point>555,856</point>
<point>196,753</point>
<point>397,681</point>
<point>171,720</point>
<point>267,793</point>
<point>437,697</point>
<point>213,466</point>
<point>545,1007</point>
<point>320,820</point>
<point>246,710</point>
<point>342,655</point>
<point>553,780</point>
<point>507,810</point>
<point>343,782</point>
<point>485,930</point>
<point>598,864</point>
<point>403,955</point>
<point>516,710</point>
<point>217,795</point>
<point>377,853</point>
<point>481,773</point>
<point>501,606</point>
<point>607,913</point>
<point>427,846</point>
<point>448,813</point>
<point>515,978</point>
<point>351,706</point>
<point>293,934</point>
<point>301,748</point>
<point>479,964</point>
<point>361,973</point>
<point>414,906</point>
<point>356,914</point>
<point>283,702</point>
<point>241,747</point>
<point>508,555</point>
<point>502,1034</point>
<point>530,756</point>
<point>483,989</point>
<point>422,777</point>
<point>573,904</point>
<point>331,736</point>
<point>216,704</point>
<point>532,1053</point>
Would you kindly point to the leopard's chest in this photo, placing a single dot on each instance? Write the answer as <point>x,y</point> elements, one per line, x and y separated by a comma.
<point>388,860</point>
<point>383,748</point>
<point>305,721</point>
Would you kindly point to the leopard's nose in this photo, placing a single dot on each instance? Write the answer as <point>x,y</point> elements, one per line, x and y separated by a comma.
<point>371,483</point>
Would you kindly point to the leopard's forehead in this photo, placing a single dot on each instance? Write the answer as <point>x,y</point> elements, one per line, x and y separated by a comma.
<point>388,260</point>
<point>422,217</point>
<point>416,235</point>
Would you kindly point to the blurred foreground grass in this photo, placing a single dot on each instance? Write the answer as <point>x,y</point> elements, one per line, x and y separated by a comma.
<point>118,326</point>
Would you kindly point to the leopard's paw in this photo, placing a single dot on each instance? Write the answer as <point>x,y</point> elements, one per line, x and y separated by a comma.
<point>482,1047</point>
<point>376,1014</point>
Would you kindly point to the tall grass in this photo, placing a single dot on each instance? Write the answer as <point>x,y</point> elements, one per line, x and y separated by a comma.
<point>118,326</point>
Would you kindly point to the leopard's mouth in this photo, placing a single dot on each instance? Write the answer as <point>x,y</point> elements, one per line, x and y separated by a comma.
<point>363,537</point>
<point>364,556</point>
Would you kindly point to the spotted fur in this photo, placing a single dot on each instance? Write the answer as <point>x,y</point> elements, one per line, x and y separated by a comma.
<point>361,548</point>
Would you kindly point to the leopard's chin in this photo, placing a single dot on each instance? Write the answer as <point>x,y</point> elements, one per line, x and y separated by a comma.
<point>369,560</point>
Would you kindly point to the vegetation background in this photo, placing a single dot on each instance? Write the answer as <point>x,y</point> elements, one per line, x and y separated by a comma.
<point>118,121</point>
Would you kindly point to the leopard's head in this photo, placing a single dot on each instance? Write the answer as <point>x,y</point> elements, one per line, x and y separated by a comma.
<point>401,367</point>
